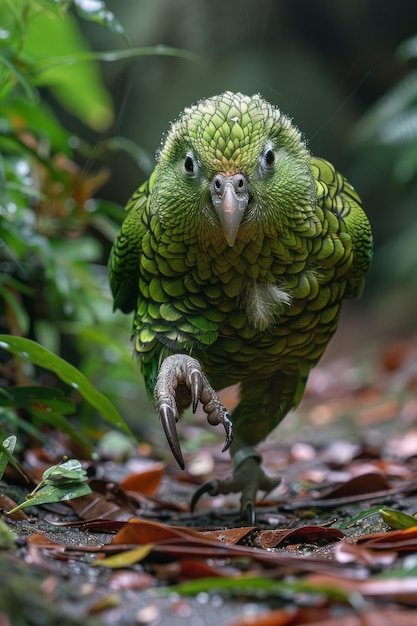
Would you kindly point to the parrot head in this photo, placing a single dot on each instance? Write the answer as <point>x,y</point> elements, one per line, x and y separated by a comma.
<point>232,167</point>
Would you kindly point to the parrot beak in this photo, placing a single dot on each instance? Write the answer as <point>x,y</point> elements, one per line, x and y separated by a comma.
<point>230,197</point>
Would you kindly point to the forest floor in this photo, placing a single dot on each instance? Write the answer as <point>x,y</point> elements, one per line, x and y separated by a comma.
<point>331,544</point>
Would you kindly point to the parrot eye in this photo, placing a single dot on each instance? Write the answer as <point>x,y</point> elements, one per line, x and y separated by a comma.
<point>268,159</point>
<point>190,164</point>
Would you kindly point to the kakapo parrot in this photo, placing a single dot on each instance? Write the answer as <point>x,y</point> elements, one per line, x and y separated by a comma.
<point>234,257</point>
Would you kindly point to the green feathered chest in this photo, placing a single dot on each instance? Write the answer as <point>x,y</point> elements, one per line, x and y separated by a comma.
<point>262,304</point>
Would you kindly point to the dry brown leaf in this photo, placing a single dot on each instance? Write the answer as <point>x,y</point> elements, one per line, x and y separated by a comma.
<point>399,589</point>
<point>7,504</point>
<point>398,540</point>
<point>146,482</point>
<point>358,485</point>
<point>347,552</point>
<point>305,534</point>
<point>138,531</point>
<point>98,506</point>
<point>229,536</point>
<point>279,617</point>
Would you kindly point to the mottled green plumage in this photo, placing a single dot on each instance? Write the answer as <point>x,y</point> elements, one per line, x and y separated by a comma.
<point>259,309</point>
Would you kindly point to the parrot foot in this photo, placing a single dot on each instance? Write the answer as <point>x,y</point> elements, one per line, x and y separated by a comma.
<point>248,477</point>
<point>180,383</point>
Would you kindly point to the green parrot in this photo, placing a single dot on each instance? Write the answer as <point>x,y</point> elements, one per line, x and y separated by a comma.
<point>235,256</point>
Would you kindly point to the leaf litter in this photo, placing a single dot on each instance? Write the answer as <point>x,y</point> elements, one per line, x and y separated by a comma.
<point>335,543</point>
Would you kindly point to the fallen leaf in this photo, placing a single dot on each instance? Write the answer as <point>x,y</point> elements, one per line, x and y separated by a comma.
<point>347,552</point>
<point>96,505</point>
<point>190,569</point>
<point>399,589</point>
<point>230,536</point>
<point>358,485</point>
<point>279,617</point>
<point>7,504</point>
<point>146,482</point>
<point>374,617</point>
<point>397,519</point>
<point>305,534</point>
<point>125,558</point>
<point>138,531</point>
<point>400,540</point>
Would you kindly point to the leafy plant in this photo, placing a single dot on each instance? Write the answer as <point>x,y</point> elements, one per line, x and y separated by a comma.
<point>55,232</point>
<point>392,121</point>
<point>65,481</point>
<point>50,402</point>
<point>6,455</point>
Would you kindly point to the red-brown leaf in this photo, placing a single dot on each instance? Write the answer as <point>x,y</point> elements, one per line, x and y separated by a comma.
<point>305,534</point>
<point>146,482</point>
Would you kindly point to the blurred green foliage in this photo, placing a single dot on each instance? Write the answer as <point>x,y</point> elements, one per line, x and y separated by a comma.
<point>385,138</point>
<point>53,231</point>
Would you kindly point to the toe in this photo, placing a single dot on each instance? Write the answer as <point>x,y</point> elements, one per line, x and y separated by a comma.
<point>210,488</point>
<point>247,514</point>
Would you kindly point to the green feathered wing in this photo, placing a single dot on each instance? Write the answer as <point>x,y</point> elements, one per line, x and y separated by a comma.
<point>336,194</point>
<point>126,252</point>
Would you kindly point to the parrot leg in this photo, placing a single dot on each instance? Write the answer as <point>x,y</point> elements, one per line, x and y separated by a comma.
<point>248,477</point>
<point>180,383</point>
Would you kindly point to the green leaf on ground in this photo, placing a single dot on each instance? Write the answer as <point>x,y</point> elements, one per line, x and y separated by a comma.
<point>50,493</point>
<point>64,481</point>
<point>397,519</point>
<point>255,585</point>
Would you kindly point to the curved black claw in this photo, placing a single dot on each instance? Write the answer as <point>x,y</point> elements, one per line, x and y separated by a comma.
<point>230,431</point>
<point>196,384</point>
<point>168,420</point>
<point>248,514</point>
<point>209,488</point>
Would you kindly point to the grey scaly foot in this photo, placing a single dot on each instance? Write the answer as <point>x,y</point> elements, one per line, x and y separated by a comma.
<point>248,477</point>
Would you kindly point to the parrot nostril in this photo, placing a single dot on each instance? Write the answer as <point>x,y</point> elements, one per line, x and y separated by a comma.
<point>240,183</point>
<point>237,181</point>
<point>218,183</point>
